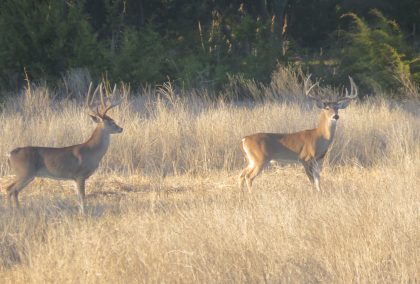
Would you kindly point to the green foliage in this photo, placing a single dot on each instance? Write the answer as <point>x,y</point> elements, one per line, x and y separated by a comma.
<point>141,58</point>
<point>260,47</point>
<point>239,44</point>
<point>376,54</point>
<point>45,37</point>
<point>198,43</point>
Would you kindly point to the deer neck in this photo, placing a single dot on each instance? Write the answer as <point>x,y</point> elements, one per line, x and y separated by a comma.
<point>326,127</point>
<point>98,143</point>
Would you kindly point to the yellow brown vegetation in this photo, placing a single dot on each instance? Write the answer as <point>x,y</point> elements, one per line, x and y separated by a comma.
<point>165,206</point>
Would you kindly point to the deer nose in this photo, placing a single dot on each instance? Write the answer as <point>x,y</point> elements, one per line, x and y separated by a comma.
<point>336,117</point>
<point>120,130</point>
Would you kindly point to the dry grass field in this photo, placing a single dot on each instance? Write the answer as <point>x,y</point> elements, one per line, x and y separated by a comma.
<point>165,206</point>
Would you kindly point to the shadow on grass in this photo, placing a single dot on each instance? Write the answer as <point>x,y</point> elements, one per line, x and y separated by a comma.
<point>122,189</point>
<point>56,206</point>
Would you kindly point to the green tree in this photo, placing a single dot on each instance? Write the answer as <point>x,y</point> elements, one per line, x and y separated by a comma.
<point>141,58</point>
<point>46,37</point>
<point>376,54</point>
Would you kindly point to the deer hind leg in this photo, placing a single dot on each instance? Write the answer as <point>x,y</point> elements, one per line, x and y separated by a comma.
<point>242,177</point>
<point>248,167</point>
<point>10,192</point>
<point>253,168</point>
<point>14,189</point>
<point>245,173</point>
<point>80,185</point>
<point>252,174</point>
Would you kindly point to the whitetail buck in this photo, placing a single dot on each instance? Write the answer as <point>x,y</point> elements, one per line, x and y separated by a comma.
<point>307,146</point>
<point>76,162</point>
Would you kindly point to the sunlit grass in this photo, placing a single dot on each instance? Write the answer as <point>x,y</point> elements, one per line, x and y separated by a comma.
<point>165,206</point>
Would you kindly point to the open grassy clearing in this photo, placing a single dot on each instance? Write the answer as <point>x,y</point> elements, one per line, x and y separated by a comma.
<point>165,207</point>
<point>364,227</point>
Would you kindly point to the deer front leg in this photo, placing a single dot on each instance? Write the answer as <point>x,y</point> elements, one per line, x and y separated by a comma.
<point>308,171</point>
<point>313,170</point>
<point>80,184</point>
<point>316,173</point>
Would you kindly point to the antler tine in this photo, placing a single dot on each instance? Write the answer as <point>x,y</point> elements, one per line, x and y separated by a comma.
<point>90,98</point>
<point>308,91</point>
<point>88,95</point>
<point>114,90</point>
<point>305,85</point>
<point>353,91</point>
<point>102,106</point>
<point>113,104</point>
<point>102,94</point>
<point>353,86</point>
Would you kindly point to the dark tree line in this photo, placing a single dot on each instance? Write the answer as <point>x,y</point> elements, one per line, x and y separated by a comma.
<point>197,43</point>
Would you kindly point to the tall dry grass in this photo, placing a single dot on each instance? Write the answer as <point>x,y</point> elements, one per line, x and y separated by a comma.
<point>164,205</point>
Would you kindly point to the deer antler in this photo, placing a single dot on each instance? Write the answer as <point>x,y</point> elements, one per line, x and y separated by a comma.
<point>100,109</point>
<point>353,91</point>
<point>90,99</point>
<point>112,104</point>
<point>309,89</point>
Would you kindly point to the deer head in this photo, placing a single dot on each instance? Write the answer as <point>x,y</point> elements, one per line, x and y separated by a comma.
<point>99,111</point>
<point>330,108</point>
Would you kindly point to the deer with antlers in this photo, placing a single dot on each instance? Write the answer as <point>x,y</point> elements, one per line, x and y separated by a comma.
<point>76,162</point>
<point>307,146</point>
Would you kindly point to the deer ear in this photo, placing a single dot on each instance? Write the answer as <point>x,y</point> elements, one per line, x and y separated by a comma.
<point>343,104</point>
<point>95,118</point>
